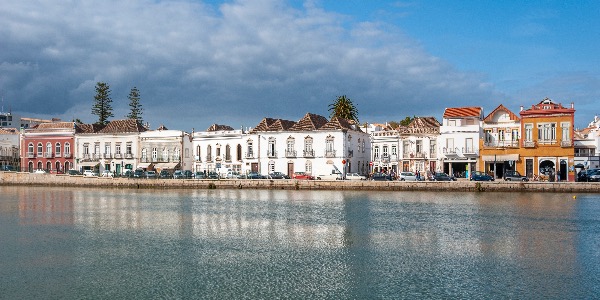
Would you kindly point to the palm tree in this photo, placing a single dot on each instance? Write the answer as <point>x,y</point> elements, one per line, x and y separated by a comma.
<point>343,107</point>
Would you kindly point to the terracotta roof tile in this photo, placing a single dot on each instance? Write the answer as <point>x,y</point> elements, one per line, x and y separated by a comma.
<point>281,125</point>
<point>162,127</point>
<point>217,127</point>
<point>337,123</point>
<point>87,128</point>
<point>263,125</point>
<point>501,107</point>
<point>421,125</point>
<point>309,122</point>
<point>9,131</point>
<point>121,126</point>
<point>458,112</point>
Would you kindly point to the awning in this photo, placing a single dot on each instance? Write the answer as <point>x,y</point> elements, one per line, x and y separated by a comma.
<point>143,165</point>
<point>164,166</point>
<point>88,164</point>
<point>501,157</point>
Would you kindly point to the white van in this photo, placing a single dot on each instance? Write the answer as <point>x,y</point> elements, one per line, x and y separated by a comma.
<point>334,175</point>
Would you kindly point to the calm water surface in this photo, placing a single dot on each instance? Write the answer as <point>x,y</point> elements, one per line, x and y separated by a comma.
<point>249,244</point>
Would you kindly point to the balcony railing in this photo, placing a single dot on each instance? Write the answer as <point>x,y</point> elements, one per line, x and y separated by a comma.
<point>95,157</point>
<point>67,155</point>
<point>57,154</point>
<point>48,155</point>
<point>30,154</point>
<point>528,144</point>
<point>385,158</point>
<point>329,153</point>
<point>250,155</point>
<point>118,155</point>
<point>128,155</point>
<point>272,154</point>
<point>107,155</point>
<point>566,143</point>
<point>40,154</point>
<point>309,153</point>
<point>501,144</point>
<point>290,153</point>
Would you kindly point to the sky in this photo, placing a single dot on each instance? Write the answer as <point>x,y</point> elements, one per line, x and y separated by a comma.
<point>235,62</point>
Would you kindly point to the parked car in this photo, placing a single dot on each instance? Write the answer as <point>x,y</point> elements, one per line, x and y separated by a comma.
<point>232,175</point>
<point>441,177</point>
<point>188,174</point>
<point>73,172</point>
<point>89,173</point>
<point>278,175</point>
<point>594,176</point>
<point>8,168</point>
<point>481,176</point>
<point>381,177</point>
<point>40,171</point>
<point>178,174</point>
<point>514,176</point>
<point>138,173</point>
<point>302,176</point>
<point>355,176</point>
<point>199,175</point>
<point>254,175</point>
<point>407,176</point>
<point>164,174</point>
<point>150,174</point>
<point>107,173</point>
<point>128,173</point>
<point>584,175</point>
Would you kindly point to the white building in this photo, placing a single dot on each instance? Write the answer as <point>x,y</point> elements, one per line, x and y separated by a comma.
<point>164,149</point>
<point>9,148</point>
<point>217,148</point>
<point>407,148</point>
<point>313,145</point>
<point>587,143</point>
<point>114,147</point>
<point>459,138</point>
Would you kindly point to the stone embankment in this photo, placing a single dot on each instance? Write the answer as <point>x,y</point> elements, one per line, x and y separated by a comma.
<point>18,178</point>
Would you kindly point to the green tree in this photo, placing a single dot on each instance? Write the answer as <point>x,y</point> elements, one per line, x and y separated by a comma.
<point>393,124</point>
<point>344,108</point>
<point>135,105</point>
<point>406,121</point>
<point>102,103</point>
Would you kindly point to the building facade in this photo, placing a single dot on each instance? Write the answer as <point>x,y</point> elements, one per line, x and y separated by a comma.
<point>164,149</point>
<point>10,156</point>
<point>459,138</point>
<point>500,146</point>
<point>48,146</point>
<point>218,148</point>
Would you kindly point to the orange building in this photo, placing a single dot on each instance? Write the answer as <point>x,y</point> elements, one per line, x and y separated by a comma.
<point>547,141</point>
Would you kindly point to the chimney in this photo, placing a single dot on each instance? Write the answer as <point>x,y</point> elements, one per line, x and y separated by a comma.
<point>572,105</point>
<point>521,107</point>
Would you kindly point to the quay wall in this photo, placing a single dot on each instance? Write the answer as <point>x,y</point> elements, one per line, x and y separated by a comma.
<point>24,178</point>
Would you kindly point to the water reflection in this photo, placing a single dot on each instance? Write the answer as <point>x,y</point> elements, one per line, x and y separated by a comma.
<point>331,243</point>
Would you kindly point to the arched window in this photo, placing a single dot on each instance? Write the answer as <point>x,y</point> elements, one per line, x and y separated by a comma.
<point>57,149</point>
<point>30,150</point>
<point>208,153</point>
<point>40,150</point>
<point>67,149</point>
<point>228,153</point>
<point>198,153</point>
<point>48,149</point>
<point>250,149</point>
<point>48,166</point>
<point>239,152</point>
<point>308,147</point>
<point>329,148</point>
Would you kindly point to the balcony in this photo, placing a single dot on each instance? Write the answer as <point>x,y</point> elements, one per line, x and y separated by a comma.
<point>30,155</point>
<point>470,152</point>
<point>48,155</point>
<point>107,155</point>
<point>566,143</point>
<point>528,144</point>
<point>290,153</point>
<point>40,154</point>
<point>329,153</point>
<point>128,155</point>
<point>57,154</point>
<point>501,144</point>
<point>272,154</point>
<point>67,155</point>
<point>309,153</point>
<point>95,157</point>
<point>118,155</point>
<point>450,152</point>
<point>385,158</point>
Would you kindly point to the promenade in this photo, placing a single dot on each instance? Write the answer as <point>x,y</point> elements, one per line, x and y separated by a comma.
<point>23,178</point>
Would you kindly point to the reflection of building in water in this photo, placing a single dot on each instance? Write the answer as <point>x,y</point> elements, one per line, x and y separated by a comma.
<point>51,207</point>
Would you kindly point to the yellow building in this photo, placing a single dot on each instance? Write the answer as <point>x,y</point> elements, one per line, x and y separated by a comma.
<point>547,141</point>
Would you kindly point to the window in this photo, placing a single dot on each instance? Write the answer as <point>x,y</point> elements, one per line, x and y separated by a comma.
<point>308,167</point>
<point>165,154</point>
<point>419,146</point>
<point>547,132</point>
<point>271,148</point>
<point>218,150</point>
<point>290,146</point>
<point>198,153</point>
<point>376,152</point>
<point>177,154</point>
<point>107,148</point>
<point>329,148</point>
<point>57,149</point>
<point>528,132</point>
<point>48,148</point>
<point>271,166</point>
<point>501,135</point>
<point>359,145</point>
<point>118,148</point>
<point>394,150</point>
<point>154,154</point>
<point>515,135</point>
<point>469,145</point>
<point>450,144</point>
<point>432,147</point>
<point>308,147</point>
<point>128,148</point>
<point>488,135</point>
<point>566,131</point>
<point>405,147</point>
<point>67,148</point>
<point>227,152</point>
<point>239,152</point>
<point>144,153</point>
<point>30,148</point>
<point>187,153</point>
<point>86,149</point>
<point>451,122</point>
<point>249,148</point>
<point>97,148</point>
<point>385,151</point>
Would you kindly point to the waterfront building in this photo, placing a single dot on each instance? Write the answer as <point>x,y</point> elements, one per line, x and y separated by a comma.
<point>547,140</point>
<point>114,147</point>
<point>217,149</point>
<point>460,133</point>
<point>48,146</point>
<point>11,120</point>
<point>500,147</point>
<point>407,148</point>
<point>164,149</point>
<point>586,143</point>
<point>313,145</point>
<point>9,149</point>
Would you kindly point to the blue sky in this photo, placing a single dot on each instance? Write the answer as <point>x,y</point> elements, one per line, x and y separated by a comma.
<point>234,62</point>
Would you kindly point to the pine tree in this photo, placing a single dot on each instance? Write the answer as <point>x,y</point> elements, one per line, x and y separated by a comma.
<point>135,105</point>
<point>102,103</point>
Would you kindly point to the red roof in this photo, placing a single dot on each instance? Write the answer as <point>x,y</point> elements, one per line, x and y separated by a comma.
<point>461,112</point>
<point>512,115</point>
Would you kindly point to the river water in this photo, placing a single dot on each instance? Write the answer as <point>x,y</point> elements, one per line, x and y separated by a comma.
<point>58,243</point>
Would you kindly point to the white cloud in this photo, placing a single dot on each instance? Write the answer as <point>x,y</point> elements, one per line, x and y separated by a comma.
<point>196,64</point>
